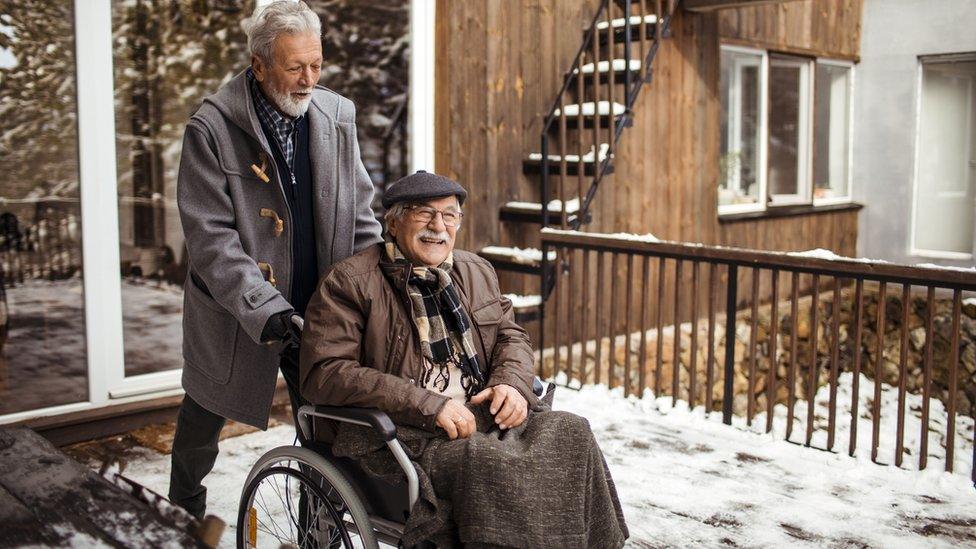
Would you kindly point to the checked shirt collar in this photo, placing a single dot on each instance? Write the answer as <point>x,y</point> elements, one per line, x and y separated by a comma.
<point>281,126</point>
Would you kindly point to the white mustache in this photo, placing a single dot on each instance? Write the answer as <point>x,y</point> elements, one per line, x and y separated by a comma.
<point>433,235</point>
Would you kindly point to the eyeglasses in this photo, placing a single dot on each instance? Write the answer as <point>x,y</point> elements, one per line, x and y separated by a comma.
<point>425,214</point>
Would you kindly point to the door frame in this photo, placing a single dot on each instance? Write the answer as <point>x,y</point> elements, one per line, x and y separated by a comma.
<point>913,250</point>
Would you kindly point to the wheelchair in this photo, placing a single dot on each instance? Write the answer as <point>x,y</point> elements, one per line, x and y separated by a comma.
<point>306,497</point>
<point>303,496</point>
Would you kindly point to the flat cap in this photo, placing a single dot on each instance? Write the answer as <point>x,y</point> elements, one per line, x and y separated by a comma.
<point>421,186</point>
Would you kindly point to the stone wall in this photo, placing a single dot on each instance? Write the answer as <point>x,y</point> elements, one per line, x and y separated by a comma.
<point>889,367</point>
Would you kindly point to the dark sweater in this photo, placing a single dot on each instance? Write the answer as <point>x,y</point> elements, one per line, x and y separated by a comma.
<point>298,192</point>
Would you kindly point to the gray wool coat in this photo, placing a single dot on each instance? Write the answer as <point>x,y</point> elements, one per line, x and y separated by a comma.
<point>242,254</point>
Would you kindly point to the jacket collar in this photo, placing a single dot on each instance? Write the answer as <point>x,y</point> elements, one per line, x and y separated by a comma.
<point>235,101</point>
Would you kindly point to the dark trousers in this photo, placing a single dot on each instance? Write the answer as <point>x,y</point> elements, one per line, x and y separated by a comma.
<point>195,442</point>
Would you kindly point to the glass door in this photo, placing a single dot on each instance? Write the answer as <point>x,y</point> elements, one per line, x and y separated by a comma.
<point>946,163</point>
<point>166,57</point>
<point>42,314</point>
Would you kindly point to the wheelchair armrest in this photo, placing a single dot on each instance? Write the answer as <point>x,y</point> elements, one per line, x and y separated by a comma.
<point>368,417</point>
<point>537,386</point>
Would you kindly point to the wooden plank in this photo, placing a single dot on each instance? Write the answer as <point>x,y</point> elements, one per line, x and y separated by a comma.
<point>713,5</point>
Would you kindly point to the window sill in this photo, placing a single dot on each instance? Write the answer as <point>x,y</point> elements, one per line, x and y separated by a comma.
<point>789,211</point>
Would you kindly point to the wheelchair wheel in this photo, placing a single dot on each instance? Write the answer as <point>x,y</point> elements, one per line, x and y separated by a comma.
<point>294,497</point>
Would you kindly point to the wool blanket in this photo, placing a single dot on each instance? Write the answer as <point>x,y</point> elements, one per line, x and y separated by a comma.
<point>542,484</point>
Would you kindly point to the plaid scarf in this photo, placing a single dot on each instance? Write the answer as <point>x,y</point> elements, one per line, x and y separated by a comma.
<point>442,323</point>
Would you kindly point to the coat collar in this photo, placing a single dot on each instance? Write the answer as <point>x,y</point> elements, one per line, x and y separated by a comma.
<point>235,101</point>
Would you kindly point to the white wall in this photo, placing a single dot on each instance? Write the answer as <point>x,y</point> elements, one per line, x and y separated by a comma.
<point>894,34</point>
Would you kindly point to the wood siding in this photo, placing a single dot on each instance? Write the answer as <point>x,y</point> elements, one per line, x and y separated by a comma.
<point>500,64</point>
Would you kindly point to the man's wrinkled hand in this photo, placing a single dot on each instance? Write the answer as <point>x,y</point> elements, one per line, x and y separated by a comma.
<point>456,420</point>
<point>507,405</point>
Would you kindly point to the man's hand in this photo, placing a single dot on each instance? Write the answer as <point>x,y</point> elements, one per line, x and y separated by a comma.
<point>507,405</point>
<point>280,328</point>
<point>456,419</point>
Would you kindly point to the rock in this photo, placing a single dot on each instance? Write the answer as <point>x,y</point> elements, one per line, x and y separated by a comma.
<point>917,338</point>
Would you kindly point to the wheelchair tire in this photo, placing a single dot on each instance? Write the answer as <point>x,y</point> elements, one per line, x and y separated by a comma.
<point>316,478</point>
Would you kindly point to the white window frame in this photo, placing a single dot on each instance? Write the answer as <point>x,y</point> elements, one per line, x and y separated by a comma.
<point>804,146</point>
<point>850,133</point>
<point>806,184</point>
<point>102,285</point>
<point>760,204</point>
<point>912,249</point>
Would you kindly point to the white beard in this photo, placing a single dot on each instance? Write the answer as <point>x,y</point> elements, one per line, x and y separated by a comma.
<point>288,105</point>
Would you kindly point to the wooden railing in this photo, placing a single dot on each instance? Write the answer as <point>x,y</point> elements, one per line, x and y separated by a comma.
<point>610,319</point>
<point>594,152</point>
<point>47,246</point>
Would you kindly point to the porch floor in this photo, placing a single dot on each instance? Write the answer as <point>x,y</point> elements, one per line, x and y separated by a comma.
<point>685,479</point>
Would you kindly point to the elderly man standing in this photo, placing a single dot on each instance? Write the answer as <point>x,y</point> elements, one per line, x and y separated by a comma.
<point>419,330</point>
<point>271,193</point>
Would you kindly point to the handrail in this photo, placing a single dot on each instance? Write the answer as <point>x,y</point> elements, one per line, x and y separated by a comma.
<point>662,27</point>
<point>632,89</point>
<point>858,317</point>
<point>567,76</point>
<point>843,267</point>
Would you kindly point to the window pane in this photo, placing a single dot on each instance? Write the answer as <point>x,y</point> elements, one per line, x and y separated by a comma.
<point>831,109</point>
<point>167,57</point>
<point>42,324</point>
<point>787,80</point>
<point>740,127</point>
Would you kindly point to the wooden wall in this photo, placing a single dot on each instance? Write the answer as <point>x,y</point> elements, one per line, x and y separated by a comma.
<point>811,27</point>
<point>500,64</point>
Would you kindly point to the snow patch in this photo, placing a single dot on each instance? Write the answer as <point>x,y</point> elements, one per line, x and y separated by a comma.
<point>518,255</point>
<point>648,237</point>
<point>554,205</point>
<point>946,267</point>
<point>620,22</point>
<point>588,157</point>
<point>829,255</point>
<point>523,301</point>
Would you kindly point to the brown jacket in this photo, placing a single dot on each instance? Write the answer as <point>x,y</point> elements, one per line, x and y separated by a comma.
<point>360,346</point>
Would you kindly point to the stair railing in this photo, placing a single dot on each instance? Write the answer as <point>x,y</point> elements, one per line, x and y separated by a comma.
<point>601,158</point>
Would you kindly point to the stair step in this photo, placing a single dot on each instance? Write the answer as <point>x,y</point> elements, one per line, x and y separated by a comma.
<point>531,212</point>
<point>621,22</point>
<point>602,109</point>
<point>525,307</point>
<point>533,164</point>
<point>620,31</point>
<point>603,68</point>
<point>528,260</point>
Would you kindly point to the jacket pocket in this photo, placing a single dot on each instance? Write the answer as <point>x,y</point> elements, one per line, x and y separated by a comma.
<point>486,319</point>
<point>209,335</point>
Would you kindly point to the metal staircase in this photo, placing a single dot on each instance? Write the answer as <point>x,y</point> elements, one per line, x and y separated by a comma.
<point>582,128</point>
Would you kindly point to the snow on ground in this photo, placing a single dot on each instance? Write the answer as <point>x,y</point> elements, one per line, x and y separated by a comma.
<point>686,479</point>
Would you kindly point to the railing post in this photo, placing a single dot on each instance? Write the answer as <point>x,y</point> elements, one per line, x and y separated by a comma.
<point>627,29</point>
<point>542,302</point>
<point>545,187</point>
<point>730,301</point>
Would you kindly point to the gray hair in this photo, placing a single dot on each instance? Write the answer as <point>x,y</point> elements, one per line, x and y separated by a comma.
<point>277,18</point>
<point>395,213</point>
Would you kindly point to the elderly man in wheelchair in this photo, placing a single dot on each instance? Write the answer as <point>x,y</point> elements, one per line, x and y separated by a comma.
<point>426,419</point>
